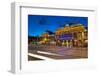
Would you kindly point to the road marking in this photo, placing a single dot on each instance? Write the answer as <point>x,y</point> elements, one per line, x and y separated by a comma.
<point>48,53</point>
<point>38,56</point>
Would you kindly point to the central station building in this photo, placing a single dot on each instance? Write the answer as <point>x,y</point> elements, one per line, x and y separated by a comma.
<point>74,35</point>
<point>69,35</point>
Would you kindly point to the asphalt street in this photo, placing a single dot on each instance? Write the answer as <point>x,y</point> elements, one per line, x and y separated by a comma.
<point>57,52</point>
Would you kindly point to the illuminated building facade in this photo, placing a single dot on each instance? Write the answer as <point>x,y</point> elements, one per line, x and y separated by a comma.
<point>74,35</point>
<point>70,36</point>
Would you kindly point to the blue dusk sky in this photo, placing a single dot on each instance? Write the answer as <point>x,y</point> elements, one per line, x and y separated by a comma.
<point>39,24</point>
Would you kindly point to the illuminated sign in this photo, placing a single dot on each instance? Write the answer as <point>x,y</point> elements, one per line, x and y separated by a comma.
<point>66,37</point>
